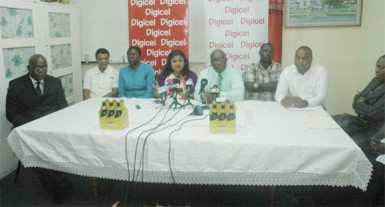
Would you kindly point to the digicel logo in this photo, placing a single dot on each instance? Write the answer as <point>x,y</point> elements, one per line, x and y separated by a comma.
<point>141,3</point>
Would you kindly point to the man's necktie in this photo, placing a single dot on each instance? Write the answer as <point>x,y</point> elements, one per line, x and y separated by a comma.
<point>38,89</point>
<point>220,77</point>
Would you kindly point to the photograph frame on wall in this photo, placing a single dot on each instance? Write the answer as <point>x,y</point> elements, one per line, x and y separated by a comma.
<point>323,13</point>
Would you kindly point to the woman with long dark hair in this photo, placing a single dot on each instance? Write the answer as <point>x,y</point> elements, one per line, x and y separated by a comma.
<point>177,66</point>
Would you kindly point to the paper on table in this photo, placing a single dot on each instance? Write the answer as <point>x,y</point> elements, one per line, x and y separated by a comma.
<point>320,123</point>
<point>381,159</point>
<point>302,109</point>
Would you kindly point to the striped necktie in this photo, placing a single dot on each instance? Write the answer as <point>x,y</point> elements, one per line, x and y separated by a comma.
<point>220,78</point>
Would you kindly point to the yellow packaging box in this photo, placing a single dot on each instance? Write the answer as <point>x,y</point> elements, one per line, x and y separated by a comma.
<point>223,118</point>
<point>117,115</point>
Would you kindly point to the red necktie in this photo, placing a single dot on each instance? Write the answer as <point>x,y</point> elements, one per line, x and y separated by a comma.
<point>38,89</point>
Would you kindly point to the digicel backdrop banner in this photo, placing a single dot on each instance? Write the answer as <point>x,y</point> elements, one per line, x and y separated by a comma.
<point>240,27</point>
<point>158,27</point>
<point>237,27</point>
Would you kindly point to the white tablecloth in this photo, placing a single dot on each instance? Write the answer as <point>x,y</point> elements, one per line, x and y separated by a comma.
<point>272,146</point>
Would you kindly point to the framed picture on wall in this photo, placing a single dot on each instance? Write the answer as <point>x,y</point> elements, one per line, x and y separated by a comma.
<point>323,13</point>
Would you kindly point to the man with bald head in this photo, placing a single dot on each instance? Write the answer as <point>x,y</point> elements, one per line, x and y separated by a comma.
<point>302,84</point>
<point>228,80</point>
<point>24,104</point>
<point>33,96</point>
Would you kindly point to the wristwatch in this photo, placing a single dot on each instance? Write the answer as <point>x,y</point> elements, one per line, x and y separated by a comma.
<point>255,85</point>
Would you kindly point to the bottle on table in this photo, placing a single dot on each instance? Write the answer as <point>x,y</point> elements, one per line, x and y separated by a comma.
<point>213,117</point>
<point>222,120</point>
<point>112,109</point>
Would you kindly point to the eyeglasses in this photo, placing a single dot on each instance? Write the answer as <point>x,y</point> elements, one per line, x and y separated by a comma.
<point>221,59</point>
<point>35,67</point>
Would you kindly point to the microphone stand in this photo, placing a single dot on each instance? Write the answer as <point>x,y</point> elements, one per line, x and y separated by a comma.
<point>215,96</point>
<point>188,98</point>
<point>215,92</point>
<point>175,99</point>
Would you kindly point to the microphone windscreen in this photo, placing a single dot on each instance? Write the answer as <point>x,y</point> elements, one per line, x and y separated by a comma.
<point>189,82</point>
<point>215,89</point>
<point>176,81</point>
<point>162,89</point>
<point>204,81</point>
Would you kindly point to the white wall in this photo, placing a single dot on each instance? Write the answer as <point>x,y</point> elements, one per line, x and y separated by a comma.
<point>349,54</point>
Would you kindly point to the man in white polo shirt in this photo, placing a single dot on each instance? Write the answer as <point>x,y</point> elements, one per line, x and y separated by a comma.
<point>101,80</point>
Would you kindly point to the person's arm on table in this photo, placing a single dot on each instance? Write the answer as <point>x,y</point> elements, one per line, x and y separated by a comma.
<point>150,79</point>
<point>113,93</point>
<point>87,86</point>
<point>237,90</point>
<point>86,94</point>
<point>121,88</point>
<point>281,94</point>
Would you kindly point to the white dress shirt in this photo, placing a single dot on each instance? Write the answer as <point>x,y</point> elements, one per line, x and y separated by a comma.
<point>312,86</point>
<point>41,86</point>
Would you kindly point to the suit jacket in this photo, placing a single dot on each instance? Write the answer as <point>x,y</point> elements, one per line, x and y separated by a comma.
<point>373,108</point>
<point>23,104</point>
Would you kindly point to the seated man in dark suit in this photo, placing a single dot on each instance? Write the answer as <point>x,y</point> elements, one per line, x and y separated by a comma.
<point>30,97</point>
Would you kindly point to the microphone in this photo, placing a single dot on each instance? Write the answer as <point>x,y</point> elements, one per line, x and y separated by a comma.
<point>203,85</point>
<point>175,90</point>
<point>189,85</point>
<point>162,89</point>
<point>215,91</point>
<point>162,92</point>
<point>175,86</point>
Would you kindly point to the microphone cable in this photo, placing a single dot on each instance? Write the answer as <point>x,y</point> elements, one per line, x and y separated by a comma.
<point>169,143</point>
<point>126,152</point>
<point>141,165</point>
<point>153,131</point>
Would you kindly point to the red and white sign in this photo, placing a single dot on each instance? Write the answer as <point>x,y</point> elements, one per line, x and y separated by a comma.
<point>239,28</point>
<point>158,27</point>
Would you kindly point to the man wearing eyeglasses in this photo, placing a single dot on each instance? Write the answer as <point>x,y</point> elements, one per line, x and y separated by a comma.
<point>33,96</point>
<point>221,77</point>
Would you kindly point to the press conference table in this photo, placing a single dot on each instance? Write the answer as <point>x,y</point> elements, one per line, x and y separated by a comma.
<point>272,146</point>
